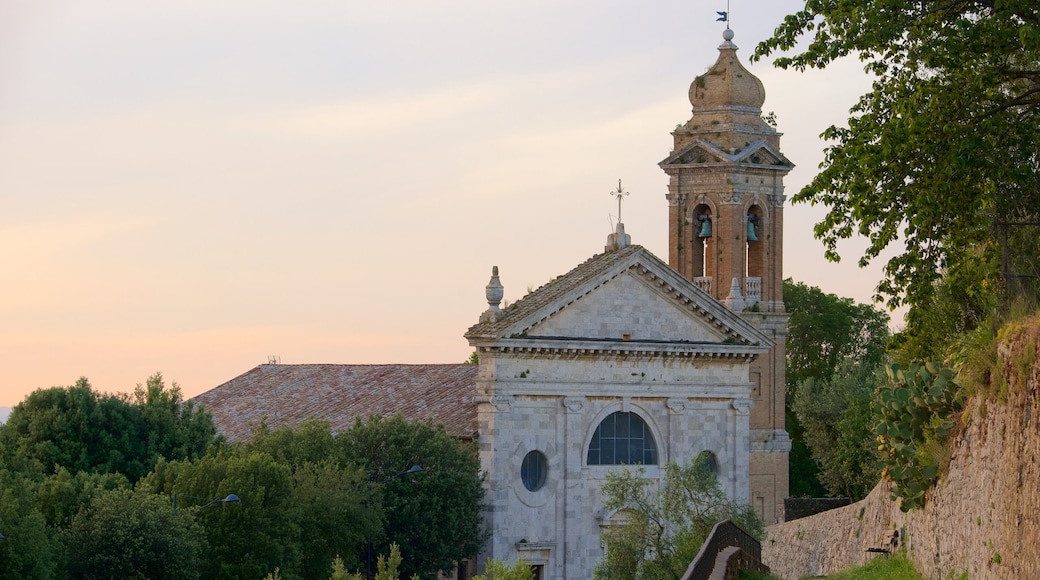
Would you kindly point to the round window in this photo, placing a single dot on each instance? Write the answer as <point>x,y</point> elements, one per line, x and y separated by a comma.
<point>533,470</point>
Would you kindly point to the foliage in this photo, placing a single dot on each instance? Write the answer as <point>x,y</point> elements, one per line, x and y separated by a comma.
<point>804,471</point>
<point>962,301</point>
<point>942,149</point>
<point>839,427</point>
<point>336,509</point>
<point>70,457</point>
<point>499,570</point>
<point>339,571</point>
<point>387,566</point>
<point>894,567</point>
<point>917,414</point>
<point>81,430</point>
<point>660,531</point>
<point>311,442</point>
<point>336,505</point>
<point>247,539</point>
<point>434,515</point>
<point>127,535</point>
<point>170,426</point>
<point>825,332</point>
<point>30,548</point>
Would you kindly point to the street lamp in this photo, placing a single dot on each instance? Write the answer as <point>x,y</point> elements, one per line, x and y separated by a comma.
<point>368,548</point>
<point>413,469</point>
<point>231,498</point>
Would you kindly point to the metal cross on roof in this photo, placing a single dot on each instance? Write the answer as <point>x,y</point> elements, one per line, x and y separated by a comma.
<point>619,193</point>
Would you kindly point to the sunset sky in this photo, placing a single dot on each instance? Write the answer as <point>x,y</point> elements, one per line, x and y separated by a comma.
<point>190,187</point>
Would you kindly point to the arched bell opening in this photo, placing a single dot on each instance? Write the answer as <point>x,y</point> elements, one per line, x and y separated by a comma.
<point>755,256</point>
<point>702,244</point>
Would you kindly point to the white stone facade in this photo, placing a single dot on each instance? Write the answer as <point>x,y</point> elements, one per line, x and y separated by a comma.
<point>632,337</point>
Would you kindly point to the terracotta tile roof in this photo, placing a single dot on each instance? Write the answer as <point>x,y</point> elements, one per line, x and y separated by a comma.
<point>556,288</point>
<point>291,394</point>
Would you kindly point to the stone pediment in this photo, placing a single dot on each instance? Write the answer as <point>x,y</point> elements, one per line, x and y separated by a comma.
<point>627,300</point>
<point>696,152</point>
<point>699,151</point>
<point>760,153</point>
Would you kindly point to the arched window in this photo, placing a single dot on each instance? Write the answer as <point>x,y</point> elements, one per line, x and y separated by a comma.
<point>622,439</point>
<point>706,460</point>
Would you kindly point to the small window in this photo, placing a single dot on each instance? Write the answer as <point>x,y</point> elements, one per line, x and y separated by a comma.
<point>622,439</point>
<point>707,461</point>
<point>534,470</point>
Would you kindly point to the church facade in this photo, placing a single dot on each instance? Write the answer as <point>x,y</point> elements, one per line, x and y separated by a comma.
<point>625,360</point>
<point>619,362</point>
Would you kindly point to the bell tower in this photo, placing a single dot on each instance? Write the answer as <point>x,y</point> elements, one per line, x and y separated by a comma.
<point>725,234</point>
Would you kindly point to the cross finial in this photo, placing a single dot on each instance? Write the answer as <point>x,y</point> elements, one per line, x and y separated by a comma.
<point>620,194</point>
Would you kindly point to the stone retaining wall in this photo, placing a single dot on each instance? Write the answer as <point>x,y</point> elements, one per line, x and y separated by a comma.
<point>796,508</point>
<point>984,516</point>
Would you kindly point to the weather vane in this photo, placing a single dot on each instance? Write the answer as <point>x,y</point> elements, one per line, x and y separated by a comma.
<point>723,16</point>
<point>619,194</point>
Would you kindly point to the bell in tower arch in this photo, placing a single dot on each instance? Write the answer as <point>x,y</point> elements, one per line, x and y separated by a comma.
<point>705,226</point>
<point>752,219</point>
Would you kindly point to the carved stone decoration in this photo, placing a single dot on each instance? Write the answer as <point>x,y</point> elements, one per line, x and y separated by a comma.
<point>574,404</point>
<point>677,406</point>
<point>731,197</point>
<point>494,292</point>
<point>502,404</point>
<point>742,406</point>
<point>777,200</point>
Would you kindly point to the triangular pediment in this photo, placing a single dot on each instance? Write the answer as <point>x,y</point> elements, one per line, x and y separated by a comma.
<point>699,151</point>
<point>628,296</point>
<point>760,153</point>
<point>695,152</point>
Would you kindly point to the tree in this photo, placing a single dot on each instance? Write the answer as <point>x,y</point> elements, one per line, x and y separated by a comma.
<point>337,511</point>
<point>825,331</point>
<point>434,515</point>
<point>127,535</point>
<point>247,539</point>
<point>81,430</point>
<point>662,530</point>
<point>499,570</point>
<point>962,302</point>
<point>943,150</point>
<point>839,427</point>
<point>30,548</point>
<point>172,427</point>
<point>310,442</point>
<point>62,495</point>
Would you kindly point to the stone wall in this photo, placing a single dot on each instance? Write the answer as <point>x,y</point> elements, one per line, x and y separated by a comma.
<point>796,508</point>
<point>983,518</point>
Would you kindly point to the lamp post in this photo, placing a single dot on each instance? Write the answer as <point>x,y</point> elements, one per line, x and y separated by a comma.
<point>231,498</point>
<point>368,547</point>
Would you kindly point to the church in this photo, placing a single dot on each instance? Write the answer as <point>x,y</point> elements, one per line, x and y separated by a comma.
<point>624,360</point>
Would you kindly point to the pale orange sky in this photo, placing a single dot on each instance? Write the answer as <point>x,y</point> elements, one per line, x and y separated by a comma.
<point>190,187</point>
